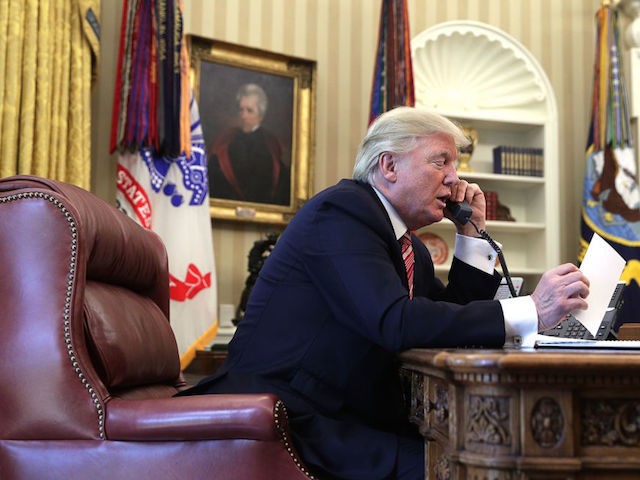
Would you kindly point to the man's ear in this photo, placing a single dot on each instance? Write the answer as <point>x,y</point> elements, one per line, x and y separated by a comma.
<point>387,166</point>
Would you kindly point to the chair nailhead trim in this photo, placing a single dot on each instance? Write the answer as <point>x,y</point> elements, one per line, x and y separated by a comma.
<point>281,419</point>
<point>67,303</point>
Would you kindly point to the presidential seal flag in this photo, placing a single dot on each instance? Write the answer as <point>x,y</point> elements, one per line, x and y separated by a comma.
<point>611,201</point>
<point>162,179</point>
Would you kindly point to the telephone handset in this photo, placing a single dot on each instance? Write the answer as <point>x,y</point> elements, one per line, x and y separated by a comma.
<point>461,212</point>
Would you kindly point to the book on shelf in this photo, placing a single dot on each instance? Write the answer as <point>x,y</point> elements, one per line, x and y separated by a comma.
<point>496,210</point>
<point>510,160</point>
<point>491,201</point>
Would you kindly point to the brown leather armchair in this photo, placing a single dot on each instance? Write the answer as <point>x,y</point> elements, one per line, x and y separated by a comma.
<point>90,364</point>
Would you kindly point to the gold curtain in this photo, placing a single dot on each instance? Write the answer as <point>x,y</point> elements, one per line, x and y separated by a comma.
<point>46,52</point>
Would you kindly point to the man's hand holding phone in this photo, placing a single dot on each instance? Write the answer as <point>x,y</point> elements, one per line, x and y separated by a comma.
<point>470,194</point>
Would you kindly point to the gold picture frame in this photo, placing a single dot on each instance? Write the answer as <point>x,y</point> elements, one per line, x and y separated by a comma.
<point>283,153</point>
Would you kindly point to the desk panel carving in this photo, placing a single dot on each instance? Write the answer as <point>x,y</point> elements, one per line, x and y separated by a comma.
<point>440,406</point>
<point>488,420</point>
<point>547,422</point>
<point>443,469</point>
<point>611,422</point>
<point>526,414</point>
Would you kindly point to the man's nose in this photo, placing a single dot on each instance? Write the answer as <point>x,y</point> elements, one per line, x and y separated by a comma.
<point>451,176</point>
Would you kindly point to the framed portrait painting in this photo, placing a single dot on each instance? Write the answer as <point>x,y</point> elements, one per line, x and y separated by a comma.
<point>257,110</point>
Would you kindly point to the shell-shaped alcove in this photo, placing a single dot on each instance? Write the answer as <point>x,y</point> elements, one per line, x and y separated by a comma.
<point>473,68</point>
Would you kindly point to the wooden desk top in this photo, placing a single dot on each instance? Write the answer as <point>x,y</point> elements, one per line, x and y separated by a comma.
<point>523,360</point>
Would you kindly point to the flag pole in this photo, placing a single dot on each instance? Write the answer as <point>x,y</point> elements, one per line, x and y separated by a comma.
<point>631,10</point>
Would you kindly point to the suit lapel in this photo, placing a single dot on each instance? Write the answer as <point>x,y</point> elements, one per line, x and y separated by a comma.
<point>386,232</point>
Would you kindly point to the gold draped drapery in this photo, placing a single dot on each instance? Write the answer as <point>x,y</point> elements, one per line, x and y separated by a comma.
<point>48,49</point>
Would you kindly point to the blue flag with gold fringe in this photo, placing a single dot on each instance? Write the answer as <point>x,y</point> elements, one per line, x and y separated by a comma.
<point>393,74</point>
<point>611,201</point>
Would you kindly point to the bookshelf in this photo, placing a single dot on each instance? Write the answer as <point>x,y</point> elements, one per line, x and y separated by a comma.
<point>482,78</point>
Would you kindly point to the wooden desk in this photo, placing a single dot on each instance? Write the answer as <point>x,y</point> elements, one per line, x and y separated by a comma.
<point>530,414</point>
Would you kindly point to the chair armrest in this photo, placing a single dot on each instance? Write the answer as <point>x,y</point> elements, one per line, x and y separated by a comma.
<point>198,417</point>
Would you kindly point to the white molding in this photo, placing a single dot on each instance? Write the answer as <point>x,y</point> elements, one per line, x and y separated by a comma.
<point>476,69</point>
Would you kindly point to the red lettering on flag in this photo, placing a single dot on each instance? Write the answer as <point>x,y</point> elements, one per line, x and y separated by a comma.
<point>135,194</point>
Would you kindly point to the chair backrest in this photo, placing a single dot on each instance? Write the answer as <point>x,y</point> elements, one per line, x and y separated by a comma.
<point>85,311</point>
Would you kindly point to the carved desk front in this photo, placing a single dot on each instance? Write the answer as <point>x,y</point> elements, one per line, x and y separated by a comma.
<point>526,414</point>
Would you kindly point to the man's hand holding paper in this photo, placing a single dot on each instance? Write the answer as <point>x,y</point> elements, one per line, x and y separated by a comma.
<point>564,289</point>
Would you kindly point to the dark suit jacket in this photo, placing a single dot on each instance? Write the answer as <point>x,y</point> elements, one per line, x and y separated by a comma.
<point>326,318</point>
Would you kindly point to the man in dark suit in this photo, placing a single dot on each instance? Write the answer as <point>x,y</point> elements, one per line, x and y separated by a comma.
<point>333,304</point>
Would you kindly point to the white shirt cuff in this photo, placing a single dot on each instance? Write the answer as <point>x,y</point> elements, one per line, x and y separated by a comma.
<point>476,252</point>
<point>520,320</point>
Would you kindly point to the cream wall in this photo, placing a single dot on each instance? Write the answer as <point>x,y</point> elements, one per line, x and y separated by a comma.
<point>341,36</point>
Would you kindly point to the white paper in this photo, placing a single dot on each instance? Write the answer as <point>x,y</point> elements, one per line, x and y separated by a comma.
<point>602,265</point>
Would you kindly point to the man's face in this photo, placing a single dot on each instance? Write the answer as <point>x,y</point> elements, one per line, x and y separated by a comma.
<point>249,114</point>
<point>424,179</point>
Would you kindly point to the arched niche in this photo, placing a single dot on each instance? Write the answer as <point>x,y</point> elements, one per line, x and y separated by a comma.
<point>479,70</point>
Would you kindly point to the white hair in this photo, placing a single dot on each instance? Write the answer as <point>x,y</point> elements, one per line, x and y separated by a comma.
<point>253,90</point>
<point>397,131</point>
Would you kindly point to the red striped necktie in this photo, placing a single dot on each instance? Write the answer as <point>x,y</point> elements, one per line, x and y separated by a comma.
<point>409,260</point>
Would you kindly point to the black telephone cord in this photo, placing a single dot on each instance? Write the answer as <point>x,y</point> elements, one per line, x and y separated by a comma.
<point>498,250</point>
